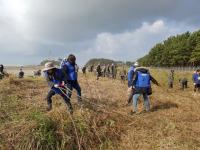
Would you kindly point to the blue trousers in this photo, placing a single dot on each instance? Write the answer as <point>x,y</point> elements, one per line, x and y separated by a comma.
<point>146,101</point>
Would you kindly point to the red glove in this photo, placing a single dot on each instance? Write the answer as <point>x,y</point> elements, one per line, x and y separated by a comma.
<point>62,84</point>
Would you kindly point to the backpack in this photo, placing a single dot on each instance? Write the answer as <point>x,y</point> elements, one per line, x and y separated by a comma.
<point>72,74</point>
<point>143,80</point>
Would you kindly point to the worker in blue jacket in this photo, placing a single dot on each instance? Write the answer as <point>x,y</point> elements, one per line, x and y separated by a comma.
<point>131,73</point>
<point>196,80</point>
<point>142,86</point>
<point>130,81</point>
<point>71,78</point>
<point>55,78</point>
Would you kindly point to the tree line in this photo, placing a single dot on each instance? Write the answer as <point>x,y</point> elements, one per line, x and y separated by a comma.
<point>103,61</point>
<point>179,50</point>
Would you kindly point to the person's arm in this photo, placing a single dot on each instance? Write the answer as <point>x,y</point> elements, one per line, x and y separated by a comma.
<point>134,80</point>
<point>154,81</point>
<point>62,63</point>
<point>193,78</point>
<point>130,75</point>
<point>64,70</point>
<point>49,82</point>
<point>63,75</point>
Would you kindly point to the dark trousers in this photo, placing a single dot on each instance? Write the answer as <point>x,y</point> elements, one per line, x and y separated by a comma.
<point>183,85</point>
<point>130,96</point>
<point>197,88</point>
<point>65,98</point>
<point>170,84</point>
<point>74,85</point>
<point>98,75</point>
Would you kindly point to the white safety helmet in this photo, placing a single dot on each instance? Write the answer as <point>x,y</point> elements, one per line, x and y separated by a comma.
<point>136,64</point>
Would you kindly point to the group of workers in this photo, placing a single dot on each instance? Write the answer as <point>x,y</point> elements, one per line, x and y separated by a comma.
<point>20,74</point>
<point>139,83</point>
<point>63,80</point>
<point>109,70</point>
<point>184,81</point>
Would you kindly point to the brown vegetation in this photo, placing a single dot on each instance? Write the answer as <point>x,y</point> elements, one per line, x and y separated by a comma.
<point>104,121</point>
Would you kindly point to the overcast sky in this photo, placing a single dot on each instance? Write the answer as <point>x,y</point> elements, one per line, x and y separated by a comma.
<point>32,30</point>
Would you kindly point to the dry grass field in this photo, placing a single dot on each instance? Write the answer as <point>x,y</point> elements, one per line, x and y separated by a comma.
<point>103,122</point>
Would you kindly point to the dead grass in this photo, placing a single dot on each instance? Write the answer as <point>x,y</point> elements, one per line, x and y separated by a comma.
<point>173,122</point>
<point>26,125</point>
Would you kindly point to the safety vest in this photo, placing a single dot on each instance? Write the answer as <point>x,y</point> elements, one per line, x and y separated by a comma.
<point>143,80</point>
<point>71,71</point>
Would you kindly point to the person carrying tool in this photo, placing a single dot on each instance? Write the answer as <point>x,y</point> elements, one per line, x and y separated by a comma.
<point>142,86</point>
<point>55,79</point>
<point>71,78</point>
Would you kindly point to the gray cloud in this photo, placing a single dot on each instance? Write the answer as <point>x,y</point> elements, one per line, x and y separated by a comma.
<point>79,20</point>
<point>31,28</point>
<point>133,44</point>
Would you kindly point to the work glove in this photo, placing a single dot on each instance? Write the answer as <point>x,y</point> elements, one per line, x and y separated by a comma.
<point>59,85</point>
<point>133,87</point>
<point>130,88</point>
<point>56,85</point>
<point>62,84</point>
